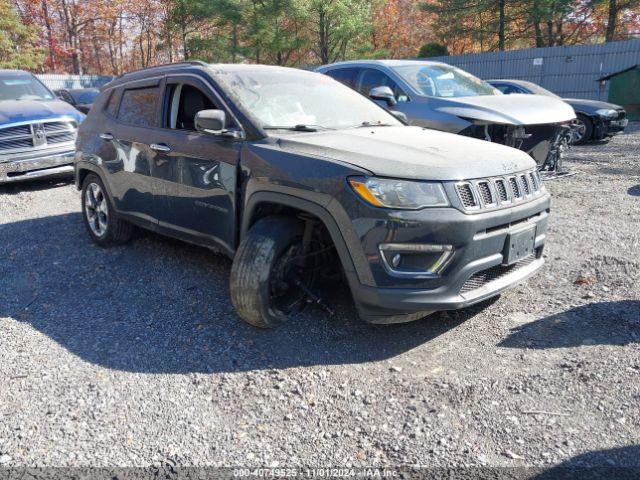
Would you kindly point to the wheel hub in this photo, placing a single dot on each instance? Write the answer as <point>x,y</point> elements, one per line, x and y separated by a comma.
<point>96,209</point>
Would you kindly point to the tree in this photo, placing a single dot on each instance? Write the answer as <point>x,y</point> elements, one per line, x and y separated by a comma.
<point>18,41</point>
<point>276,31</point>
<point>335,25</point>
<point>399,28</point>
<point>433,49</point>
<point>615,9</point>
<point>483,22</point>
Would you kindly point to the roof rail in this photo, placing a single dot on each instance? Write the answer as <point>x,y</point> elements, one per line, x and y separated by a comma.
<point>188,62</point>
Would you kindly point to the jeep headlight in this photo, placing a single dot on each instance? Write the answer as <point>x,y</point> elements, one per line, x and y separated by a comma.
<point>607,112</point>
<point>399,194</point>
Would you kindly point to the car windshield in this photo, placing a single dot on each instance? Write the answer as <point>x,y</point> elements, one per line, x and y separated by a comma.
<point>84,96</point>
<point>538,90</point>
<point>301,100</point>
<point>23,87</point>
<point>434,80</point>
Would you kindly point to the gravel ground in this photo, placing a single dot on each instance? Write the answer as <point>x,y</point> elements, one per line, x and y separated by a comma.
<point>133,356</point>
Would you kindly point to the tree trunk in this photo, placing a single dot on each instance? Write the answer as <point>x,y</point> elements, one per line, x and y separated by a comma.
<point>550,39</point>
<point>47,23</point>
<point>612,21</point>
<point>502,27</point>
<point>323,43</point>
<point>185,50</point>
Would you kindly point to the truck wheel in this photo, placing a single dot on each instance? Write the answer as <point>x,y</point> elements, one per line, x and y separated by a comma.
<point>265,275</point>
<point>100,218</point>
<point>584,130</point>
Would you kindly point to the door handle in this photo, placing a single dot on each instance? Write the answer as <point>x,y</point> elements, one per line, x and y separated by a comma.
<point>160,147</point>
<point>106,136</point>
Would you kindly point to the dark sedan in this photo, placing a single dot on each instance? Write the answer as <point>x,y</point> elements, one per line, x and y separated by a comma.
<point>596,120</point>
<point>80,98</point>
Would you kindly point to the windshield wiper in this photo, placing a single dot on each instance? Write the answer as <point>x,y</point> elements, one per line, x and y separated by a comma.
<point>297,128</point>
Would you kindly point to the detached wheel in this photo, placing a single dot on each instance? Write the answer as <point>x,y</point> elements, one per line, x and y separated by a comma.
<point>100,219</point>
<point>266,274</point>
<point>584,130</point>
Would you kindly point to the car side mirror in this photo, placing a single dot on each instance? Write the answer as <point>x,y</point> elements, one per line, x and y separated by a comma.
<point>211,121</point>
<point>400,116</point>
<point>384,94</point>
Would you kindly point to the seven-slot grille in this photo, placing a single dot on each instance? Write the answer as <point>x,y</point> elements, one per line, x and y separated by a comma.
<point>492,192</point>
<point>36,135</point>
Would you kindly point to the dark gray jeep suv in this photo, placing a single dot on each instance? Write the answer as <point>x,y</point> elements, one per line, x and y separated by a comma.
<point>293,174</point>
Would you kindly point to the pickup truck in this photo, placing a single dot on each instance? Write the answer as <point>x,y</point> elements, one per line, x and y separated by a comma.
<point>300,179</point>
<point>37,130</point>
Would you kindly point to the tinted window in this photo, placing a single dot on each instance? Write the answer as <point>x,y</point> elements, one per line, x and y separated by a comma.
<point>84,96</point>
<point>507,89</point>
<point>375,78</point>
<point>138,107</point>
<point>347,76</point>
<point>112,105</point>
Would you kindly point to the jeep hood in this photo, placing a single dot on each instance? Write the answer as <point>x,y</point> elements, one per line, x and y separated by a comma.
<point>20,111</point>
<point>410,152</point>
<point>516,109</point>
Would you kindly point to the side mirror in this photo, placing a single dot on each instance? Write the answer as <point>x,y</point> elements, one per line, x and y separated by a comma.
<point>211,121</point>
<point>400,116</point>
<point>383,93</point>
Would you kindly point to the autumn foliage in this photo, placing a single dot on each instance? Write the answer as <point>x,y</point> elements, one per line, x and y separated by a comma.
<point>114,36</point>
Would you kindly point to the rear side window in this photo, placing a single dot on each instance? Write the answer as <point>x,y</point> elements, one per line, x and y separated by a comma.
<point>112,105</point>
<point>347,76</point>
<point>138,107</point>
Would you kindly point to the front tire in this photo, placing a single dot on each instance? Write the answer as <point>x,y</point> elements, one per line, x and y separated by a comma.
<point>264,288</point>
<point>100,218</point>
<point>584,130</point>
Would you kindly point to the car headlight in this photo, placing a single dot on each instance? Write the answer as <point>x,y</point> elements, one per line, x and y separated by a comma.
<point>400,194</point>
<point>607,112</point>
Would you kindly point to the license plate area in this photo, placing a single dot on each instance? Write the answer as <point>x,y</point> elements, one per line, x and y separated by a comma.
<point>518,245</point>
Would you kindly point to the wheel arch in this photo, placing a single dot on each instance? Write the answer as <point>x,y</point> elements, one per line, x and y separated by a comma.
<point>82,169</point>
<point>264,203</point>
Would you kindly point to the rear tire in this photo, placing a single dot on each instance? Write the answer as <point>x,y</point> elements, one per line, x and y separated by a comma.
<point>585,126</point>
<point>262,257</point>
<point>100,218</point>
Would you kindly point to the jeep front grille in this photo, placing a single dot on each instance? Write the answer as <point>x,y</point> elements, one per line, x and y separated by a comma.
<point>515,188</point>
<point>36,135</point>
<point>502,190</point>
<point>466,195</point>
<point>485,193</point>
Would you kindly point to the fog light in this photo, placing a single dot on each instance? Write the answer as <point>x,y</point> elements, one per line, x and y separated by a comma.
<point>412,260</point>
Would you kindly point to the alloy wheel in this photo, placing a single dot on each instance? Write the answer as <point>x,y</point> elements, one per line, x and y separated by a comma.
<point>580,130</point>
<point>96,209</point>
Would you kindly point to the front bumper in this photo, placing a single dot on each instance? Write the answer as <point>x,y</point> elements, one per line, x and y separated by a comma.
<point>609,128</point>
<point>474,274</point>
<point>36,165</point>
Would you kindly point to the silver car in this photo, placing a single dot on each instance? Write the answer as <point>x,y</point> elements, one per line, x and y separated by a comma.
<point>442,97</point>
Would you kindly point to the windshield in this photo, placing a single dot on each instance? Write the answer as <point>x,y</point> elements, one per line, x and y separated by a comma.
<point>435,80</point>
<point>279,97</point>
<point>23,87</point>
<point>538,90</point>
<point>84,96</point>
